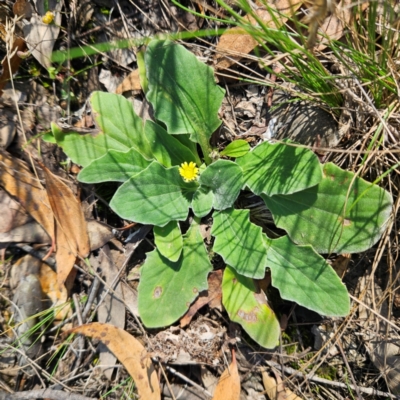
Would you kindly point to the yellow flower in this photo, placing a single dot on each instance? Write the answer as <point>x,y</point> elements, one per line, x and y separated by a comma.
<point>189,171</point>
<point>48,18</point>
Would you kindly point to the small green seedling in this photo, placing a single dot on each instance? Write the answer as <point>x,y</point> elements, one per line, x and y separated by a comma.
<point>166,180</point>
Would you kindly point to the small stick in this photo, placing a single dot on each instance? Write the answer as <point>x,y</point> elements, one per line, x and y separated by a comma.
<point>167,381</point>
<point>93,293</point>
<point>178,374</point>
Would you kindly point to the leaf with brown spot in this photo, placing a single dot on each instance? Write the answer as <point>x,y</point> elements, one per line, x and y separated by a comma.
<point>228,387</point>
<point>130,353</point>
<point>71,232</point>
<point>249,307</point>
<point>236,42</point>
<point>343,213</point>
<point>18,181</point>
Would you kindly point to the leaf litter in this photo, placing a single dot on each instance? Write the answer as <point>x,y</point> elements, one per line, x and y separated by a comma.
<point>31,196</point>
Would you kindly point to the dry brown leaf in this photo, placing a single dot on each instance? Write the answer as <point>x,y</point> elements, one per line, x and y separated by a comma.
<point>131,82</point>
<point>275,389</point>
<point>71,231</point>
<point>111,308</point>
<point>99,234</point>
<point>15,61</point>
<point>212,296</point>
<point>265,283</point>
<point>341,263</point>
<point>57,294</point>
<point>317,13</point>
<point>31,232</point>
<point>334,26</point>
<point>200,302</point>
<point>130,299</point>
<point>12,214</point>
<point>19,182</point>
<point>228,387</point>
<point>130,352</point>
<point>29,265</point>
<point>236,40</point>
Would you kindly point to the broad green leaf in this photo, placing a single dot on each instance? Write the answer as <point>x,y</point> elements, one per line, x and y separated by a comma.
<point>202,201</point>
<point>331,217</point>
<point>192,146</point>
<point>248,307</point>
<point>115,116</point>
<point>82,149</point>
<point>167,150</point>
<point>169,240</point>
<point>240,242</point>
<point>279,169</point>
<point>185,102</point>
<point>114,166</point>
<point>167,288</point>
<point>49,137</point>
<point>225,180</point>
<point>121,130</point>
<point>156,196</point>
<point>237,148</point>
<point>303,276</point>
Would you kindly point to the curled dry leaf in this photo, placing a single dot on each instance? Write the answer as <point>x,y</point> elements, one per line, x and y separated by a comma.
<point>71,231</point>
<point>212,296</point>
<point>275,389</point>
<point>228,387</point>
<point>130,353</point>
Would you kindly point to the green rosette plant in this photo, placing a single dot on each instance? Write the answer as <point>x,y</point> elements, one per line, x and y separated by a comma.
<point>169,174</point>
